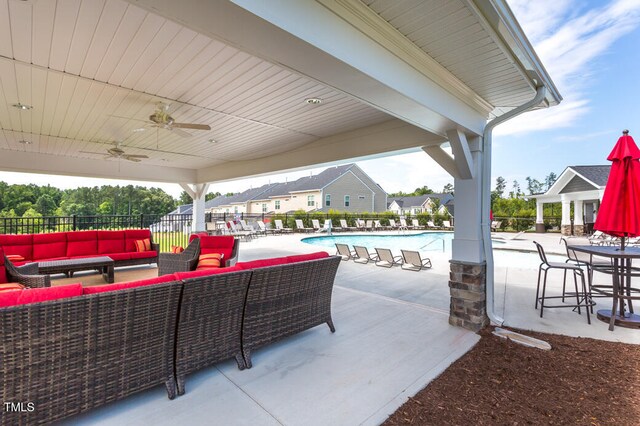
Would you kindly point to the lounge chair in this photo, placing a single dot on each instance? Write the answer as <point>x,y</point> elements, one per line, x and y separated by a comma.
<point>344,251</point>
<point>363,255</point>
<point>446,224</point>
<point>315,223</point>
<point>415,224</point>
<point>393,224</point>
<point>248,228</point>
<point>431,225</point>
<point>403,225</point>
<point>386,259</point>
<point>509,237</point>
<point>413,262</point>
<point>326,226</point>
<point>345,226</point>
<point>247,235</point>
<point>360,225</point>
<point>281,227</point>
<point>369,225</point>
<point>495,225</point>
<point>377,226</point>
<point>267,229</point>
<point>301,228</point>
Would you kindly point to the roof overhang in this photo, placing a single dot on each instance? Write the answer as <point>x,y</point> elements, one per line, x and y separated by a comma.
<point>94,73</point>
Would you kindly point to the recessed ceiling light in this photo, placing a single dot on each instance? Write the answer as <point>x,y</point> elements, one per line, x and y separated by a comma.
<point>25,142</point>
<point>21,106</point>
<point>313,101</point>
<point>139,129</point>
<point>212,140</point>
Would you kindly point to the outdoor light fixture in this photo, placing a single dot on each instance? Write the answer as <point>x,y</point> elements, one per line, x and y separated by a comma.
<point>25,142</point>
<point>22,106</point>
<point>313,101</point>
<point>212,140</point>
<point>139,129</point>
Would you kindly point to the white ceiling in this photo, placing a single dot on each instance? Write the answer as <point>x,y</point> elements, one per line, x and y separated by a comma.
<point>93,71</point>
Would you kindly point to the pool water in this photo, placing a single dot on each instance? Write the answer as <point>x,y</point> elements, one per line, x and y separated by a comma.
<point>423,242</point>
<point>428,242</point>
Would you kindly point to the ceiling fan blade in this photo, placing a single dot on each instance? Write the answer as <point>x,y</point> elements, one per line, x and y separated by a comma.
<point>180,133</point>
<point>127,118</point>
<point>136,156</point>
<point>191,126</point>
<point>131,158</point>
<point>90,152</point>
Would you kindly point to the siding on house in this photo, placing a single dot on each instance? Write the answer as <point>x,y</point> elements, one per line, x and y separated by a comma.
<point>577,184</point>
<point>380,196</point>
<point>361,197</point>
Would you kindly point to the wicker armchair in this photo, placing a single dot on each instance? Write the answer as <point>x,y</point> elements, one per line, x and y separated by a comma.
<point>168,263</point>
<point>26,275</point>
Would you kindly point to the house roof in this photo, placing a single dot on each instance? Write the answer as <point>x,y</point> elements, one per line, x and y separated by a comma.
<point>419,200</point>
<point>595,174</point>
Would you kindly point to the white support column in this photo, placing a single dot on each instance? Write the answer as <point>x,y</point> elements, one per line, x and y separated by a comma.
<point>578,221</point>
<point>565,225</point>
<point>539,211</point>
<point>467,242</point>
<point>197,193</point>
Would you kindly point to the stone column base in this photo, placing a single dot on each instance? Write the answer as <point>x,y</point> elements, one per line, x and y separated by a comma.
<point>565,229</point>
<point>467,287</point>
<point>540,228</point>
<point>578,230</point>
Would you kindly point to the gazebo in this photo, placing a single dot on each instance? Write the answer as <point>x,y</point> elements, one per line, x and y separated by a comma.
<point>210,91</point>
<point>584,187</point>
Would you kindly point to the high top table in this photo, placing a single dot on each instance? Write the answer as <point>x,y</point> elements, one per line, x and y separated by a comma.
<point>621,271</point>
<point>103,264</point>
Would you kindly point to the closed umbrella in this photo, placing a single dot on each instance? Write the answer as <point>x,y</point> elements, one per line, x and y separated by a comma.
<point>619,213</point>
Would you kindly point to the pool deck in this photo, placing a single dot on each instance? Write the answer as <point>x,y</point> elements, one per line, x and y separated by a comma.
<point>392,339</point>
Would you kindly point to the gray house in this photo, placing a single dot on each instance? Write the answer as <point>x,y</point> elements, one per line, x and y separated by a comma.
<point>343,188</point>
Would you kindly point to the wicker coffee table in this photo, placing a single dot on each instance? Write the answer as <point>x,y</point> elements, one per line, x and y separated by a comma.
<point>102,264</point>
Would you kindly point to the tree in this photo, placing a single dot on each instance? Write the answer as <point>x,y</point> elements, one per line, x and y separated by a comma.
<point>550,180</point>
<point>423,191</point>
<point>501,185</point>
<point>45,205</point>
<point>185,198</point>
<point>515,193</point>
<point>211,196</point>
<point>534,186</point>
<point>448,189</point>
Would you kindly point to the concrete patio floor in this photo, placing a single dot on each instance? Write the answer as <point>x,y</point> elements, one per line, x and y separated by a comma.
<point>392,339</point>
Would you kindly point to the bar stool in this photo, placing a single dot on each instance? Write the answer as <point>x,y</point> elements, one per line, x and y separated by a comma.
<point>582,297</point>
<point>587,261</point>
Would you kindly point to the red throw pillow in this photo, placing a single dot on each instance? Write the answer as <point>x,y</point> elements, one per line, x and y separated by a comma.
<point>177,249</point>
<point>209,260</point>
<point>143,245</point>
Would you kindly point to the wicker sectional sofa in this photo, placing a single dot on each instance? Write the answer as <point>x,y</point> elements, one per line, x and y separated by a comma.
<point>100,344</point>
<point>118,245</point>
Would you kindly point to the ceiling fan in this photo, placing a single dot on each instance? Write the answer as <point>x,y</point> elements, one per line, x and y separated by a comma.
<point>163,120</point>
<point>118,153</point>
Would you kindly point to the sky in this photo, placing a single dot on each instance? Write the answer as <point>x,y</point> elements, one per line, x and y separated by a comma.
<point>590,48</point>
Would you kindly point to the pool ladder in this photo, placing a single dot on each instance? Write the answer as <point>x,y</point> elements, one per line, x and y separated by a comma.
<point>431,242</point>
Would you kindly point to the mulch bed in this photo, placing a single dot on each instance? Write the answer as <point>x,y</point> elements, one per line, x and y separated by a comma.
<point>579,381</point>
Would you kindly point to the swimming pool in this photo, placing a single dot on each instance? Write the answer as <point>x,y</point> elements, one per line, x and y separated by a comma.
<point>425,241</point>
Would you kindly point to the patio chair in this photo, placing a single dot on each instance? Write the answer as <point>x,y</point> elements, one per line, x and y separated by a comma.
<point>446,224</point>
<point>248,228</point>
<point>582,296</point>
<point>344,251</point>
<point>393,224</point>
<point>412,261</point>
<point>403,225</point>
<point>344,226</point>
<point>315,223</point>
<point>267,229</point>
<point>27,275</point>
<point>169,263</point>
<point>415,224</point>
<point>247,235</point>
<point>281,227</point>
<point>495,225</point>
<point>326,227</point>
<point>587,261</point>
<point>386,259</point>
<point>300,226</point>
<point>363,255</point>
<point>431,225</point>
<point>377,226</point>
<point>360,225</point>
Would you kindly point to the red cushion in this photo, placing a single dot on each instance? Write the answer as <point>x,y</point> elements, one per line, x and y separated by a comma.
<point>143,254</point>
<point>211,242</point>
<point>261,263</point>
<point>9,298</point>
<point>3,274</point>
<point>132,235</point>
<point>34,295</point>
<point>82,243</point>
<point>118,256</point>
<point>204,272</point>
<point>308,256</point>
<point>131,284</point>
<point>18,244</point>
<point>111,242</point>
<point>177,249</point>
<point>47,246</point>
<point>197,235</point>
<point>11,286</point>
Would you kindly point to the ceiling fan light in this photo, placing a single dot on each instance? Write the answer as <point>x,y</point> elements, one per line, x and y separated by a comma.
<point>139,129</point>
<point>25,142</point>
<point>22,107</point>
<point>313,101</point>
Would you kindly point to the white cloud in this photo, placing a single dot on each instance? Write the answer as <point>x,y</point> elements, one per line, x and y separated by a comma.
<point>569,41</point>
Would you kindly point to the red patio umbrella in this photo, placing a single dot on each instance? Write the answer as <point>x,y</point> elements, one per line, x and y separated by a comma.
<point>619,213</point>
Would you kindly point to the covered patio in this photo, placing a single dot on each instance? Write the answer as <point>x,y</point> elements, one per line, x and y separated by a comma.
<point>282,86</point>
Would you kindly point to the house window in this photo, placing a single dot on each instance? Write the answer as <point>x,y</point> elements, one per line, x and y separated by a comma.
<point>327,200</point>
<point>347,200</point>
<point>264,207</point>
<point>277,206</point>
<point>235,210</point>
<point>310,201</point>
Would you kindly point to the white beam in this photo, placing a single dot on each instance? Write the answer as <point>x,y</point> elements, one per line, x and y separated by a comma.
<point>443,158</point>
<point>388,138</point>
<point>32,162</point>
<point>339,55</point>
<point>461,153</point>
